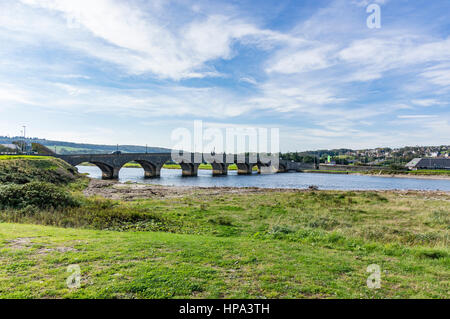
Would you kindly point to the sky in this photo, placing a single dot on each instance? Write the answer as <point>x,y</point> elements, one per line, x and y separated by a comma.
<point>131,72</point>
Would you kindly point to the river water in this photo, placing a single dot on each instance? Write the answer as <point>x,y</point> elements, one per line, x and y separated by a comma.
<point>282,180</point>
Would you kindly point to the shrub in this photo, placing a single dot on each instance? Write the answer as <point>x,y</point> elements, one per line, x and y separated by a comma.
<point>40,169</point>
<point>222,220</point>
<point>323,222</point>
<point>37,194</point>
<point>280,229</point>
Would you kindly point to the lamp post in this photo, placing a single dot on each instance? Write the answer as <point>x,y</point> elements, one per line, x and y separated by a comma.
<point>24,138</point>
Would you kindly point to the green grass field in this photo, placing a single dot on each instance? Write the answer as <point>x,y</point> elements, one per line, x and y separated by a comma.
<point>274,245</point>
<point>164,265</point>
<point>207,243</point>
<point>14,157</point>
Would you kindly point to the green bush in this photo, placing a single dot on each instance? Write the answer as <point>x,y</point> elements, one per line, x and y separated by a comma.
<point>222,220</point>
<point>37,194</point>
<point>19,170</point>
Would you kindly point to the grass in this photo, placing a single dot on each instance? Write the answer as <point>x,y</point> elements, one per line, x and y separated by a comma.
<point>208,244</point>
<point>443,172</point>
<point>381,217</point>
<point>15,157</point>
<point>274,245</point>
<point>24,169</point>
<point>162,265</point>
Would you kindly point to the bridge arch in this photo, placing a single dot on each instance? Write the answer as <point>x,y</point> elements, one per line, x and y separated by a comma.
<point>151,170</point>
<point>110,164</point>
<point>108,171</point>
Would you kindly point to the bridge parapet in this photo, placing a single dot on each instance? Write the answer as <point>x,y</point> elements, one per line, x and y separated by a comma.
<point>110,164</point>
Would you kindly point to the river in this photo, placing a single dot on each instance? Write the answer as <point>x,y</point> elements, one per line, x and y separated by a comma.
<point>282,180</point>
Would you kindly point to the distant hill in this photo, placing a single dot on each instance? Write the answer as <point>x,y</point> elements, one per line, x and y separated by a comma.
<point>79,148</point>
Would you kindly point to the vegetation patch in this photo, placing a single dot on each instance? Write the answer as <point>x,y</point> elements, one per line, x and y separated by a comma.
<point>35,194</point>
<point>26,169</point>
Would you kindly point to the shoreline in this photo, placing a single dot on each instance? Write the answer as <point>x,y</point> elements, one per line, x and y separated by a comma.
<point>413,176</point>
<point>436,177</point>
<point>132,190</point>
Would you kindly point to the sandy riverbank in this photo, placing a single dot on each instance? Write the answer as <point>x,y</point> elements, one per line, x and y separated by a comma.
<point>130,191</point>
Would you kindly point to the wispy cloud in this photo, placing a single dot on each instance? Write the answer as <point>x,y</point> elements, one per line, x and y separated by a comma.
<point>318,72</point>
<point>141,42</point>
<point>417,116</point>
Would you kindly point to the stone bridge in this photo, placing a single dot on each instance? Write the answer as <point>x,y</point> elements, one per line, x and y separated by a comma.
<point>110,164</point>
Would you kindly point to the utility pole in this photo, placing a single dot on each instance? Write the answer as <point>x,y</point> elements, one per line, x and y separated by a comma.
<point>24,137</point>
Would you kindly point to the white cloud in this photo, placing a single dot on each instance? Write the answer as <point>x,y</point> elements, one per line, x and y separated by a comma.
<point>416,116</point>
<point>301,60</point>
<point>426,102</point>
<point>439,74</point>
<point>10,94</point>
<point>122,59</point>
<point>142,43</point>
<point>377,55</point>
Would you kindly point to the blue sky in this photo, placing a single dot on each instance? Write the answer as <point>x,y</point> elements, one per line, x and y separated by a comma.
<point>129,72</point>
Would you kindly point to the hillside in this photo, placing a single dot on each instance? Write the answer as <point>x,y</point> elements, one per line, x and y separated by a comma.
<point>25,169</point>
<point>77,148</point>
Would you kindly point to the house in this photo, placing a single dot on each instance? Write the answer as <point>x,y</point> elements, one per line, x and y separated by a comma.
<point>429,163</point>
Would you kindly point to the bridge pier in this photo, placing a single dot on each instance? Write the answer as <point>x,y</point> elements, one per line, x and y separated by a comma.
<point>108,172</point>
<point>151,170</point>
<point>266,169</point>
<point>152,173</point>
<point>115,173</point>
<point>189,169</point>
<point>244,168</point>
<point>282,169</point>
<point>219,169</point>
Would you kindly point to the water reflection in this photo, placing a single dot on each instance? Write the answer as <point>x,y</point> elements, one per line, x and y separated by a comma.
<point>284,180</point>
